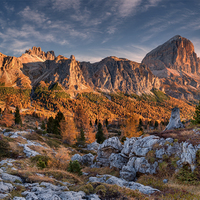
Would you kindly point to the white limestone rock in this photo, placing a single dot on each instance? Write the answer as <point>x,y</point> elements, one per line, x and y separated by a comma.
<point>93,146</point>
<point>128,173</point>
<point>117,160</point>
<point>175,120</point>
<point>109,146</point>
<point>87,159</point>
<point>128,144</point>
<point>19,198</point>
<point>141,165</point>
<point>143,145</point>
<point>77,157</point>
<point>2,196</point>
<point>5,187</point>
<point>11,178</point>
<point>123,183</point>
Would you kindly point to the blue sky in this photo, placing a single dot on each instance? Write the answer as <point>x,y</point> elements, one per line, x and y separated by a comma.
<point>94,29</point>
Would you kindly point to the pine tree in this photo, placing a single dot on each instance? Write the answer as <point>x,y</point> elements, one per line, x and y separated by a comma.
<point>82,135</point>
<point>18,119</point>
<point>50,125</point>
<point>43,125</point>
<point>99,135</point>
<point>197,115</point>
<point>57,121</point>
<point>106,123</point>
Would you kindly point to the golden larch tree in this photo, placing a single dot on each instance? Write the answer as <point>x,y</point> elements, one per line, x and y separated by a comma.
<point>129,127</point>
<point>68,129</point>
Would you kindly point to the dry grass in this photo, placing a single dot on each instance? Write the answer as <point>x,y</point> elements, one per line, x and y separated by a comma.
<point>171,190</point>
<point>60,160</point>
<point>181,135</point>
<point>194,189</point>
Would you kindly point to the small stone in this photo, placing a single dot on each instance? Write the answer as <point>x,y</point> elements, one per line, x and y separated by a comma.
<point>165,181</point>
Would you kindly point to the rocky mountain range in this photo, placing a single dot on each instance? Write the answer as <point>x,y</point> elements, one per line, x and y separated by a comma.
<point>172,67</point>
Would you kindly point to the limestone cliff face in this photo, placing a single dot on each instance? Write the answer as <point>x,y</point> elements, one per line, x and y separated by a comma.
<point>11,74</point>
<point>177,54</point>
<point>49,55</point>
<point>109,75</point>
<point>114,74</point>
<point>177,66</point>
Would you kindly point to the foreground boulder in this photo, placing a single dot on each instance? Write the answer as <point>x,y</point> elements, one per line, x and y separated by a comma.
<point>93,146</point>
<point>87,159</point>
<point>123,183</point>
<point>109,146</point>
<point>175,121</point>
<point>117,160</point>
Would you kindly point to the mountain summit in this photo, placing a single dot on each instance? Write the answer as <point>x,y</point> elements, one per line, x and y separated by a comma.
<point>178,67</point>
<point>176,54</point>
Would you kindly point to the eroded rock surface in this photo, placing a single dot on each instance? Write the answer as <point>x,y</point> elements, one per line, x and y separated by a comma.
<point>175,120</point>
<point>123,183</point>
<point>109,146</point>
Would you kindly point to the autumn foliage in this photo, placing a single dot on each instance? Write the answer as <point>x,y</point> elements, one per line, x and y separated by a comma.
<point>68,130</point>
<point>130,127</point>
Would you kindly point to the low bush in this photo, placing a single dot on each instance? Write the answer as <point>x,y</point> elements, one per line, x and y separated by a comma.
<point>41,161</point>
<point>185,175</point>
<point>74,167</point>
<point>5,149</point>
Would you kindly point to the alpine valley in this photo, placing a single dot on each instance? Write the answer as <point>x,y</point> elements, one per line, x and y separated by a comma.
<point>168,76</point>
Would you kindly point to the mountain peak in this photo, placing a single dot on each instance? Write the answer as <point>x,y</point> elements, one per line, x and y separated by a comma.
<point>49,55</point>
<point>177,54</point>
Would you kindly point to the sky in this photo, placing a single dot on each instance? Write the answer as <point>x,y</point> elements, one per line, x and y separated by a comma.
<point>94,29</point>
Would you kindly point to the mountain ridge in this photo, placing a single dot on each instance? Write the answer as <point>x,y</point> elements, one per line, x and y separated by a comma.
<point>172,67</point>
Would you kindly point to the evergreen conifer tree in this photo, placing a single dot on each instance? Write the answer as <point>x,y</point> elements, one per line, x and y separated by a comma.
<point>50,125</point>
<point>43,125</point>
<point>17,116</point>
<point>82,135</point>
<point>99,135</point>
<point>106,123</point>
<point>197,115</point>
<point>56,123</point>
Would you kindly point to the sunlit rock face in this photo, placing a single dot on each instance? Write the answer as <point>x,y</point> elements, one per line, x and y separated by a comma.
<point>49,55</point>
<point>109,75</point>
<point>178,67</point>
<point>177,54</point>
<point>11,74</point>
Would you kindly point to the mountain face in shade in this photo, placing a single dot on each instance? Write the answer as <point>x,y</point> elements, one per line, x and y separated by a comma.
<point>11,74</point>
<point>178,67</point>
<point>117,74</point>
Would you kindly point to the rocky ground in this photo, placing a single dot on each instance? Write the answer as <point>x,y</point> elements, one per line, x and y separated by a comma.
<point>35,166</point>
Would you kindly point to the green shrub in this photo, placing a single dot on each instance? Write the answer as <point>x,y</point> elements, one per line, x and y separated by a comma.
<point>41,164</point>
<point>74,167</point>
<point>88,189</point>
<point>40,160</point>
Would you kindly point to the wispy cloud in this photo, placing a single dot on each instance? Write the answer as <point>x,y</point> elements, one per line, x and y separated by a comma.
<point>33,16</point>
<point>62,5</point>
<point>127,7</point>
<point>9,8</point>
